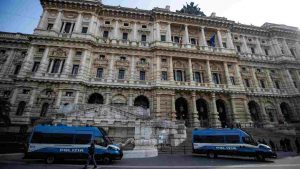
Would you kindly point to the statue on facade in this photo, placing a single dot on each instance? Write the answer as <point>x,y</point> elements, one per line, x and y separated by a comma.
<point>191,9</point>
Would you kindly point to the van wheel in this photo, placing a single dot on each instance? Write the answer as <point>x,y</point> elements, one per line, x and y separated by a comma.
<point>260,157</point>
<point>50,159</point>
<point>106,160</point>
<point>211,154</point>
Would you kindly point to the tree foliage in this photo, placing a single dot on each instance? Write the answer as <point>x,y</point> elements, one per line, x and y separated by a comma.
<point>4,111</point>
<point>191,9</point>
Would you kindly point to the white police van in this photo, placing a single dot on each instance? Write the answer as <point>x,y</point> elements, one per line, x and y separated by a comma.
<point>234,142</point>
<point>65,142</point>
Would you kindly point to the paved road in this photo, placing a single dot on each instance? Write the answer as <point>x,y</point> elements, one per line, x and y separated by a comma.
<point>162,161</point>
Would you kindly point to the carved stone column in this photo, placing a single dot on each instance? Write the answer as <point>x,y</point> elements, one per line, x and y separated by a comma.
<point>248,115</point>
<point>169,33</point>
<point>91,25</point>
<point>43,21</point>
<point>26,66</point>
<point>238,75</point>
<point>58,22</point>
<point>191,71</point>
<point>58,99</point>
<point>32,97</point>
<point>158,70</point>
<point>171,74</point>
<point>270,81</point>
<point>260,51</point>
<point>68,65</point>
<point>44,63</point>
<point>76,97</point>
<point>14,96</point>
<point>208,72</point>
<point>158,111</point>
<point>111,69</point>
<point>235,116</point>
<point>134,38</point>
<point>229,40</point>
<point>78,24</point>
<point>245,46</point>
<point>203,38</point>
<point>256,85</point>
<point>276,46</point>
<point>173,113</point>
<point>132,69</point>
<point>220,38</point>
<point>186,35</point>
<point>82,66</point>
<point>214,115</point>
<point>227,74</point>
<point>116,32</point>
<point>157,32</point>
<point>286,48</point>
<point>195,115</point>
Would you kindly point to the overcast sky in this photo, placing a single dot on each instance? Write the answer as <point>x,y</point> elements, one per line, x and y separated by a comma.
<point>23,15</point>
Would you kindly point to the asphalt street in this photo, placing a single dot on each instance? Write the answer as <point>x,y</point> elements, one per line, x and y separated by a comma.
<point>178,161</point>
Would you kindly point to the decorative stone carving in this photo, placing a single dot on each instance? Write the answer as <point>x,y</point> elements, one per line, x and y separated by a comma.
<point>58,53</point>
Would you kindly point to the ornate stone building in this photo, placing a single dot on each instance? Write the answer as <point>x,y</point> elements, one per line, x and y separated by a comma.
<point>135,72</point>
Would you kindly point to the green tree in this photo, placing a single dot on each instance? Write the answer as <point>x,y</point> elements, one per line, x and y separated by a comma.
<point>4,111</point>
<point>191,9</point>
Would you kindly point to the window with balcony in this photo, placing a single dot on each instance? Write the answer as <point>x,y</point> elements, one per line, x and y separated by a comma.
<point>35,66</point>
<point>49,26</point>
<point>17,69</point>
<point>232,80</point>
<point>238,48</point>
<point>197,77</point>
<point>142,75</point>
<point>252,50</point>
<point>121,74</point>
<point>216,78</point>
<point>125,36</point>
<point>105,34</point>
<point>75,69</point>
<point>84,29</point>
<point>262,84</point>
<point>267,52</point>
<point>163,38</point>
<point>144,38</point>
<point>164,75</point>
<point>99,73</point>
<point>67,27</point>
<point>193,41</point>
<point>247,82</point>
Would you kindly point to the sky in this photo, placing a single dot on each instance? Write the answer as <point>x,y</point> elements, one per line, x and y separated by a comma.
<point>23,15</point>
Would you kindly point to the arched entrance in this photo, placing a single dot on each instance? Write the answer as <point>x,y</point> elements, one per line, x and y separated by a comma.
<point>286,111</point>
<point>141,101</point>
<point>44,110</point>
<point>254,110</point>
<point>221,108</point>
<point>95,98</point>
<point>181,107</point>
<point>202,109</point>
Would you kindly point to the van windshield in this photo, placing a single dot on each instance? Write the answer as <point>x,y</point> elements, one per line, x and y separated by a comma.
<point>249,140</point>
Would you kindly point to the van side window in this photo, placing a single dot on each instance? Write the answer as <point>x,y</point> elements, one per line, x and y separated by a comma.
<point>52,138</point>
<point>232,139</point>
<point>208,139</point>
<point>82,138</point>
<point>249,140</point>
<point>100,141</point>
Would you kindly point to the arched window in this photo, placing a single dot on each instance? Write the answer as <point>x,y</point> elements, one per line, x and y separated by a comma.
<point>95,98</point>
<point>141,101</point>
<point>44,109</point>
<point>181,107</point>
<point>21,108</point>
<point>221,108</point>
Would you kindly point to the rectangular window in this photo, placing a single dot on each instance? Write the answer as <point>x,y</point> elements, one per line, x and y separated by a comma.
<point>125,36</point>
<point>197,77</point>
<point>84,29</point>
<point>144,38</point>
<point>105,34</point>
<point>178,75</point>
<point>216,78</point>
<point>267,52</point>
<point>252,50</point>
<point>224,45</point>
<point>142,75</point>
<point>50,26</point>
<point>35,66</point>
<point>277,85</point>
<point>75,69</point>
<point>193,41</point>
<point>247,82</point>
<point>121,74</point>
<point>17,69</point>
<point>99,73</point>
<point>163,38</point>
<point>232,80</point>
<point>69,94</point>
<point>238,48</point>
<point>67,27</point>
<point>295,84</point>
<point>78,53</point>
<point>292,52</point>
<point>164,75</point>
<point>262,84</point>
<point>176,39</point>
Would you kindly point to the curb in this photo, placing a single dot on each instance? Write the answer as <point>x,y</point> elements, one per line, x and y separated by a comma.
<point>12,154</point>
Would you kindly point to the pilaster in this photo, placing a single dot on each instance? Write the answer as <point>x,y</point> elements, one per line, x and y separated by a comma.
<point>44,63</point>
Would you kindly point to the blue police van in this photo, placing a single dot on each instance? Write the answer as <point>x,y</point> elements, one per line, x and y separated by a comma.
<point>233,142</point>
<point>64,142</point>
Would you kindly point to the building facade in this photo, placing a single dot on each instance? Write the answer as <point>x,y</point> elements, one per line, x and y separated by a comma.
<point>109,66</point>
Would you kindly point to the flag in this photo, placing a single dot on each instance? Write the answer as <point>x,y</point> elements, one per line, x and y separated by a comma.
<point>212,41</point>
